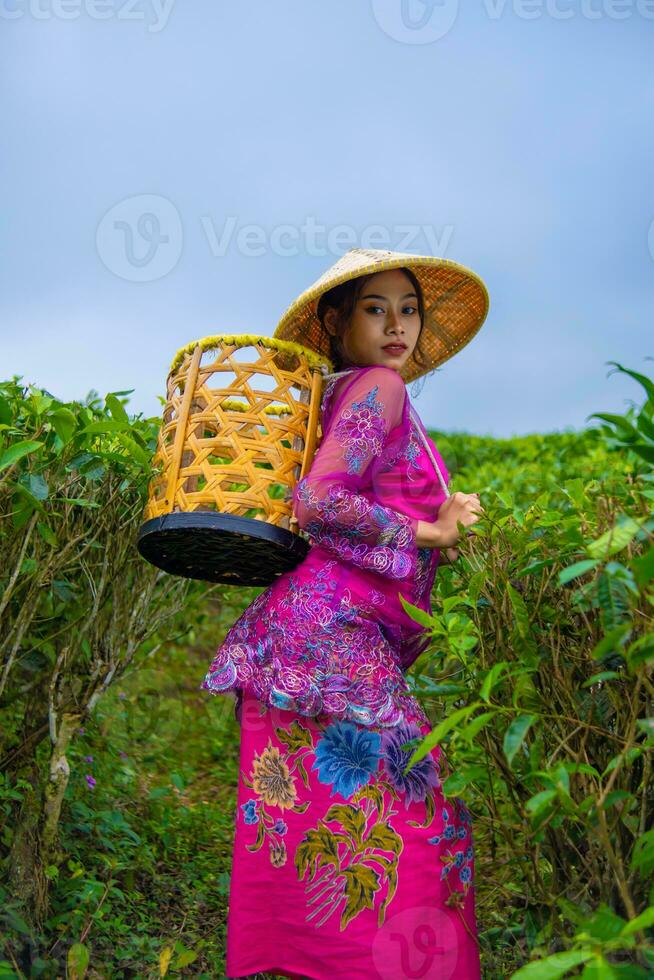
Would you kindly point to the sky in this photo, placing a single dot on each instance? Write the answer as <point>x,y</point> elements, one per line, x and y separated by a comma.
<point>173,170</point>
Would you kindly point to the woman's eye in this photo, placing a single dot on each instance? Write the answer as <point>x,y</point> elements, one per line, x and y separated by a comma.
<point>407,309</point>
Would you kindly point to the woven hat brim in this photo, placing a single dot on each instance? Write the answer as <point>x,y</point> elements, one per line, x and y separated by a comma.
<point>456,303</point>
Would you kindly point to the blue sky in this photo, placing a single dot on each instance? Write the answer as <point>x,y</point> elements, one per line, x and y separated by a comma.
<point>516,138</point>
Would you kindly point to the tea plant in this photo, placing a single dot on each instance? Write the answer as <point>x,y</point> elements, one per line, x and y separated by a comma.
<point>540,676</point>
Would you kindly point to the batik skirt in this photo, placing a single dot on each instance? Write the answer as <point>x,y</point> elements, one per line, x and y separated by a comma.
<point>346,867</point>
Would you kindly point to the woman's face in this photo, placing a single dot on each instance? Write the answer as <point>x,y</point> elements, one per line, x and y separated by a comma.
<point>386,314</point>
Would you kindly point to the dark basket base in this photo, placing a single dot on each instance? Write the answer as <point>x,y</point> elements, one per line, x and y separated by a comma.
<point>220,548</point>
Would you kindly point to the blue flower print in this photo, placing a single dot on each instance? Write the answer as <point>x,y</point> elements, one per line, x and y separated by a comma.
<point>346,757</point>
<point>250,811</point>
<point>460,859</point>
<point>416,783</point>
<point>279,827</point>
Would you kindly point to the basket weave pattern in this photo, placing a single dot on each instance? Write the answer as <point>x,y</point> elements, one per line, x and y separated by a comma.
<point>237,434</point>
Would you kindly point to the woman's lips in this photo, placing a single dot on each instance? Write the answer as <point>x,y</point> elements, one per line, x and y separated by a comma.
<point>394,348</point>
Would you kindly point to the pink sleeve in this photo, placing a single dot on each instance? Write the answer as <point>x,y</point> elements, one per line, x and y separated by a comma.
<point>335,501</point>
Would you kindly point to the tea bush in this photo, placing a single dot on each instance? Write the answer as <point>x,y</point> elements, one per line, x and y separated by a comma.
<point>119,775</point>
<point>540,682</point>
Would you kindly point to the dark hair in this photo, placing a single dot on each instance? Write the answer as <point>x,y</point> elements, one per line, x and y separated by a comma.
<point>343,298</point>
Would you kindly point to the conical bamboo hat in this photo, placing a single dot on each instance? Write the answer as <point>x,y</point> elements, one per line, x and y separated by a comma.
<point>456,303</point>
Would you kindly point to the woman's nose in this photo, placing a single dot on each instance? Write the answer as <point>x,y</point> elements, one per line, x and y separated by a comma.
<point>393,322</point>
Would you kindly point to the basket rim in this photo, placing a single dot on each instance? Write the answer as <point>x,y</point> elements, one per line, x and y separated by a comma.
<point>314,359</point>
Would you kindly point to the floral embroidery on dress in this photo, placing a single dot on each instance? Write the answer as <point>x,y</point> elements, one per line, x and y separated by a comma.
<point>273,783</point>
<point>346,757</point>
<point>361,871</point>
<point>329,505</point>
<point>412,452</point>
<point>361,430</point>
<point>312,652</point>
<point>343,518</point>
<point>459,831</point>
<point>415,783</point>
<point>425,558</point>
<point>351,859</point>
<point>327,393</point>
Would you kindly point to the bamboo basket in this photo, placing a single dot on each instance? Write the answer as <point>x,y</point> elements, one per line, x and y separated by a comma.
<point>239,430</point>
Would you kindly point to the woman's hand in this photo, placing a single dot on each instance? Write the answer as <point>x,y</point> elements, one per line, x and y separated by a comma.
<point>459,508</point>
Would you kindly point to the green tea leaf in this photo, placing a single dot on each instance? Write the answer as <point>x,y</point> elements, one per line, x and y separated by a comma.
<point>515,735</point>
<point>17,451</point>
<point>574,571</point>
<point>643,921</point>
<point>553,966</point>
<point>616,538</point>
<point>440,731</point>
<point>519,610</point>
<point>64,423</point>
<point>77,961</point>
<point>491,679</point>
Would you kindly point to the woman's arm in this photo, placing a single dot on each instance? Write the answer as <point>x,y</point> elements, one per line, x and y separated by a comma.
<point>431,534</point>
<point>458,508</point>
<point>328,500</point>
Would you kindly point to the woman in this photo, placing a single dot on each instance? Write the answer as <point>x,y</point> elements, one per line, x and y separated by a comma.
<point>345,865</point>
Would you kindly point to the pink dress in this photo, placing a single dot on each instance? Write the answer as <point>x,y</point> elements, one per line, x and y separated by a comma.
<point>344,866</point>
